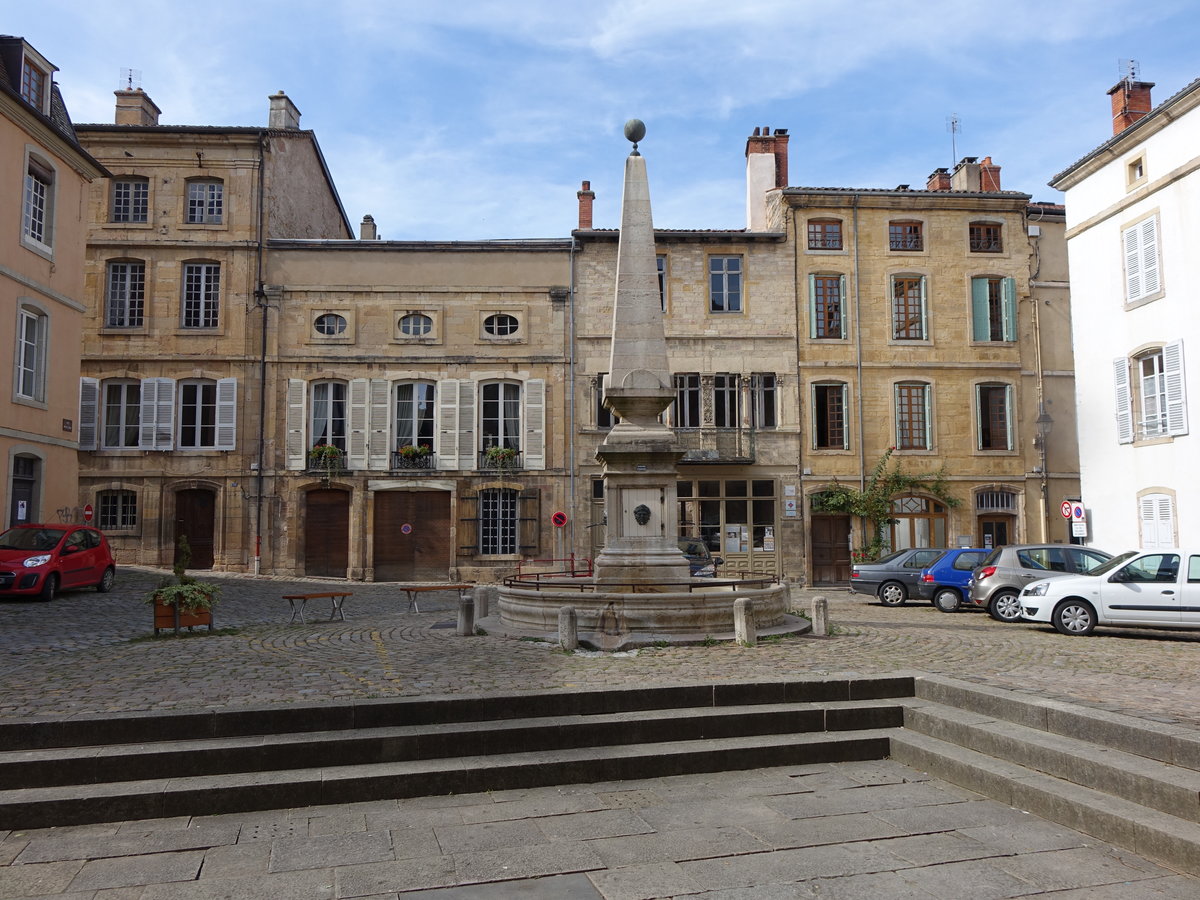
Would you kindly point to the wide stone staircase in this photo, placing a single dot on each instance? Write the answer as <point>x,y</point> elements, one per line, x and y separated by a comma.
<point>1127,781</point>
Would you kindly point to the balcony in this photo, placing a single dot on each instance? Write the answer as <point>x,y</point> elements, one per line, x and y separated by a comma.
<point>715,446</point>
<point>501,459</point>
<point>406,459</point>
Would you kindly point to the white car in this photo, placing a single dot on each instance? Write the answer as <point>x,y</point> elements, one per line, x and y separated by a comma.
<point>1154,588</point>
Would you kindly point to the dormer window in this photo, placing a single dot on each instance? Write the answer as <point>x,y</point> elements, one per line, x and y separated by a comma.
<point>34,85</point>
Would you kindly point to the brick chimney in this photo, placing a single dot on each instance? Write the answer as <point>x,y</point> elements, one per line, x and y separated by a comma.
<point>989,175</point>
<point>1130,102</point>
<point>586,198</point>
<point>284,115</point>
<point>136,108</point>
<point>766,170</point>
<point>367,230</point>
<point>939,180</point>
<point>966,175</point>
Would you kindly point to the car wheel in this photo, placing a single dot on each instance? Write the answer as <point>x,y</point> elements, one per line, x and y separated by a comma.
<point>49,587</point>
<point>1005,607</point>
<point>892,593</point>
<point>106,581</point>
<point>1074,617</point>
<point>947,600</point>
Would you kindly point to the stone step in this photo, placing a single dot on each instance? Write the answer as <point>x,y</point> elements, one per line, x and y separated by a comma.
<point>365,746</point>
<point>246,791</point>
<point>1147,831</point>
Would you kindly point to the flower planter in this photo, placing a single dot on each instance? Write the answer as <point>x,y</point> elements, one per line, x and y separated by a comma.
<point>169,615</point>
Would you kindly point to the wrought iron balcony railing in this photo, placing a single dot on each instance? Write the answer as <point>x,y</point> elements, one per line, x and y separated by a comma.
<point>500,459</point>
<point>402,460</point>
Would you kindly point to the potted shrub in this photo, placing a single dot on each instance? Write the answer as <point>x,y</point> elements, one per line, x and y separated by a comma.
<point>414,456</point>
<point>186,602</point>
<point>500,457</point>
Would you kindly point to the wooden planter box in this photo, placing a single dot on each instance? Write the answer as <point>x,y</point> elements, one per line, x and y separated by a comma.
<point>169,615</point>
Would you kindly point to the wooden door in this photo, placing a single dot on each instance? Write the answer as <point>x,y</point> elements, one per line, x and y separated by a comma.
<point>831,549</point>
<point>195,517</point>
<point>994,531</point>
<point>326,527</point>
<point>412,536</point>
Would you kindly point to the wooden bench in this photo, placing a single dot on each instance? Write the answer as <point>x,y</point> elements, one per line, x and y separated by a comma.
<point>335,598</point>
<point>413,590</point>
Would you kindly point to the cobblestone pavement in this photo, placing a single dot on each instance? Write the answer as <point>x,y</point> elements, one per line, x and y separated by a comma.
<point>87,652</point>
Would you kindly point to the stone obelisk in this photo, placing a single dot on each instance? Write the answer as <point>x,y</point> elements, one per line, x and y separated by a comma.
<point>640,453</point>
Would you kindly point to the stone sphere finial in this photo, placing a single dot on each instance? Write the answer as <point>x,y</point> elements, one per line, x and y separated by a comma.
<point>635,130</point>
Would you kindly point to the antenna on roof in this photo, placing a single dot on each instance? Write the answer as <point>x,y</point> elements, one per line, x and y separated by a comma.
<point>954,126</point>
<point>131,79</point>
<point>1129,69</point>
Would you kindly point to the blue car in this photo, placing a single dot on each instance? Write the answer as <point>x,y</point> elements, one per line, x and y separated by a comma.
<point>944,581</point>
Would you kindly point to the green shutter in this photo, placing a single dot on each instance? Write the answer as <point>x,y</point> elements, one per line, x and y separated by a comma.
<point>1008,301</point>
<point>979,310</point>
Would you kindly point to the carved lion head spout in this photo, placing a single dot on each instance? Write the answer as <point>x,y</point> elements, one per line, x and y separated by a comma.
<point>642,513</point>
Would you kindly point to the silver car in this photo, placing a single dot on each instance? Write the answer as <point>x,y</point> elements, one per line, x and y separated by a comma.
<point>997,584</point>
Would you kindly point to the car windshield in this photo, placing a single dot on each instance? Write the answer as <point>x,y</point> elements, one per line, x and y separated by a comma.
<point>1115,563</point>
<point>889,558</point>
<point>31,538</point>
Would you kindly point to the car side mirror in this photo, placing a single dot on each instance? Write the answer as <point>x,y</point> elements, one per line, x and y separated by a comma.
<point>1119,576</point>
<point>718,561</point>
<point>71,549</point>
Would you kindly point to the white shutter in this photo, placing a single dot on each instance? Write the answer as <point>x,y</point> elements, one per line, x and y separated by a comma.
<point>1133,265</point>
<point>1008,415</point>
<point>534,444</point>
<point>89,412</point>
<point>845,419</point>
<point>1158,522</point>
<point>926,393</point>
<point>378,444</point>
<point>1176,389</point>
<point>357,438</point>
<point>447,413</point>
<point>466,424</point>
<point>157,414</point>
<point>226,413</point>
<point>1149,249</point>
<point>1124,406</point>
<point>924,312</point>
<point>296,451</point>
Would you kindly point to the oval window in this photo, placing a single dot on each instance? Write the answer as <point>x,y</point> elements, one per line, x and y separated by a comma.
<point>416,325</point>
<point>500,324</point>
<point>330,323</point>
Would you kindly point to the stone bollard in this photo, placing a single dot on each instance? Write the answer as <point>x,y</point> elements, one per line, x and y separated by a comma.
<point>568,628</point>
<point>743,622</point>
<point>820,616</point>
<point>483,599</point>
<point>466,615</point>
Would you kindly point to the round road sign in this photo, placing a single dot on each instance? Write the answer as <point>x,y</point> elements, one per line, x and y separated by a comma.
<point>406,528</point>
<point>88,512</point>
<point>1066,509</point>
<point>559,519</point>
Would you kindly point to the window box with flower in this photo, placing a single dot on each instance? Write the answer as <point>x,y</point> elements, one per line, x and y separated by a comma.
<point>413,456</point>
<point>498,457</point>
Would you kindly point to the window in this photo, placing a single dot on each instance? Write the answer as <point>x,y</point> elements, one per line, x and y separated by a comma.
<point>498,521</point>
<point>918,522</point>
<point>330,324</point>
<point>905,236</point>
<point>130,200</point>
<point>829,416</point>
<point>501,325</point>
<point>33,86</point>
<point>826,302</point>
<point>725,284</point>
<point>661,263</point>
<point>984,237</point>
<point>500,423</point>
<point>1154,403</point>
<point>205,202</point>
<point>30,374</point>
<point>734,518</point>
<point>125,302</point>
<point>328,418</point>
<point>994,410</point>
<point>604,415</point>
<point>201,295</point>
<point>908,308</point>
<point>1141,260</point>
<point>1135,172</point>
<point>116,510</point>
<point>993,309</point>
<point>727,405</point>
<point>762,398</point>
<point>419,325</point>
<point>37,212</point>
<point>122,405</point>
<point>414,413</point>
<point>685,412</point>
<point>197,415</point>
<point>824,234</point>
<point>912,416</point>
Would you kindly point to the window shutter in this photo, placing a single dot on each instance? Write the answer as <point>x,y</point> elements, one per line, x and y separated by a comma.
<point>534,443</point>
<point>530,515</point>
<point>1149,242</point>
<point>980,416</point>
<point>447,406</point>
<point>89,412</point>
<point>466,424</point>
<point>1133,268</point>
<point>468,525</point>
<point>845,418</point>
<point>924,312</point>
<point>1008,307</point>
<point>1124,406</point>
<point>226,413</point>
<point>379,446</point>
<point>157,414</point>
<point>1158,527</point>
<point>1176,389</point>
<point>356,445</point>
<point>925,396</point>
<point>812,306</point>
<point>980,321</point>
<point>841,306</point>
<point>296,391</point>
<point>1008,416</point>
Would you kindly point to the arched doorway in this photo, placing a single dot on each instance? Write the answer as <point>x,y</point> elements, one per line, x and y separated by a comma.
<point>326,526</point>
<point>195,517</point>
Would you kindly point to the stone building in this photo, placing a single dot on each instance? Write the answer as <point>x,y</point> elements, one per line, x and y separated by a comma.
<point>44,177</point>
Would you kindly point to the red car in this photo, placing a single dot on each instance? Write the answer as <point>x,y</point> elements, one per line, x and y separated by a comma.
<point>41,560</point>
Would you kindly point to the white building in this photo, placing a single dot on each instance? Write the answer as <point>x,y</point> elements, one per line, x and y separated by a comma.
<point>1133,228</point>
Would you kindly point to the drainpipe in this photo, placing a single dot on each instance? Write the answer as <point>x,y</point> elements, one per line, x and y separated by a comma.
<point>858,366</point>
<point>1044,501</point>
<point>571,466</point>
<point>805,520</point>
<point>260,300</point>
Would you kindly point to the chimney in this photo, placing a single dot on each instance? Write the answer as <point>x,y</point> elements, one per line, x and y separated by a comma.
<point>136,108</point>
<point>766,170</point>
<point>1130,102</point>
<point>586,197</point>
<point>989,175</point>
<point>939,180</point>
<point>366,231</point>
<point>966,175</point>
<point>284,115</point>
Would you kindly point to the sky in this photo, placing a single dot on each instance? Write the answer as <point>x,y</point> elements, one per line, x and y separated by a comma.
<point>479,119</point>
